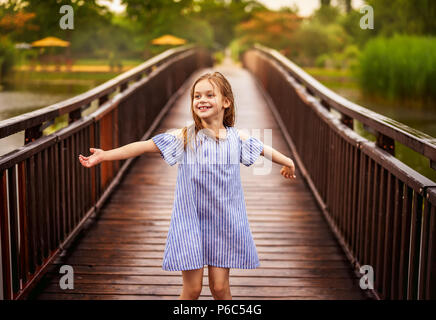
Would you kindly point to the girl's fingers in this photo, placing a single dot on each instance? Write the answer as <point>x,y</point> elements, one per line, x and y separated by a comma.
<point>83,158</point>
<point>288,173</point>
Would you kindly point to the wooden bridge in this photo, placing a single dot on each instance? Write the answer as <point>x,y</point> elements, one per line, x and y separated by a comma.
<point>353,203</point>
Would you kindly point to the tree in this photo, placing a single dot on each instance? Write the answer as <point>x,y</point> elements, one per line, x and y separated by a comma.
<point>347,5</point>
<point>272,29</point>
<point>156,17</point>
<point>404,16</point>
<point>326,14</point>
<point>17,22</point>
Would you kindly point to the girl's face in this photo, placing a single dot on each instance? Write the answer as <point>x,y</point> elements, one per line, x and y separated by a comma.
<point>208,102</point>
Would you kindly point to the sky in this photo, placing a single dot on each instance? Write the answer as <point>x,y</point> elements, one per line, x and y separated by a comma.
<point>306,7</point>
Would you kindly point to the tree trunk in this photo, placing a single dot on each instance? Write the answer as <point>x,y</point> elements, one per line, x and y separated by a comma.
<point>347,6</point>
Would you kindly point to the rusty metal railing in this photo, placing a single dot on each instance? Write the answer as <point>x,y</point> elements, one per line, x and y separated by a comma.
<point>382,212</point>
<point>45,194</point>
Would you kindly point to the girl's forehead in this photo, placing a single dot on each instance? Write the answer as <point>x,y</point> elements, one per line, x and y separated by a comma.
<point>204,85</point>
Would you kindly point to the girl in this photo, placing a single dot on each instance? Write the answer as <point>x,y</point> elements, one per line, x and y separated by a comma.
<point>209,223</point>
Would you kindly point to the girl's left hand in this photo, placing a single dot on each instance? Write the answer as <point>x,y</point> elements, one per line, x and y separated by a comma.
<point>288,172</point>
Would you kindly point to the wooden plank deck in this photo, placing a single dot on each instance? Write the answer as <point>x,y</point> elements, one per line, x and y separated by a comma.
<point>120,255</point>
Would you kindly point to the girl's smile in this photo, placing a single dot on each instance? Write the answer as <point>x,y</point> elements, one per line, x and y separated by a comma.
<point>207,100</point>
<point>204,108</point>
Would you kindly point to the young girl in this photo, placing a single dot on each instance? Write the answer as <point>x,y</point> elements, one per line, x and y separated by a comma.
<point>209,223</point>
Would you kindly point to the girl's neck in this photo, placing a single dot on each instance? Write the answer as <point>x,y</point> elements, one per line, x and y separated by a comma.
<point>214,128</point>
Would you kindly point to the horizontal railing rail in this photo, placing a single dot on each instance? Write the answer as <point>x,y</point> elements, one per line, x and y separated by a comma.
<point>387,130</point>
<point>381,210</point>
<point>46,196</point>
<point>33,121</point>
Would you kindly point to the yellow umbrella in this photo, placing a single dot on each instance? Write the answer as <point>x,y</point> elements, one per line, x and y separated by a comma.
<point>168,39</point>
<point>50,42</point>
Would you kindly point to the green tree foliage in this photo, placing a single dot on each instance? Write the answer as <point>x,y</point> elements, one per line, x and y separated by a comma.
<point>99,32</point>
<point>7,56</point>
<point>211,23</point>
<point>347,5</point>
<point>272,29</point>
<point>94,32</point>
<point>88,16</point>
<point>313,39</point>
<point>156,17</point>
<point>326,14</point>
<point>404,16</point>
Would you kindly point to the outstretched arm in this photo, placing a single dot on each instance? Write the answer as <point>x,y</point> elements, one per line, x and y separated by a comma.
<point>127,151</point>
<point>288,169</point>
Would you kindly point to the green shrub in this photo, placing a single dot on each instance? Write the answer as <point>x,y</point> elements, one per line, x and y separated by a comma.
<point>218,57</point>
<point>7,56</point>
<point>346,59</point>
<point>321,61</point>
<point>313,39</point>
<point>401,66</point>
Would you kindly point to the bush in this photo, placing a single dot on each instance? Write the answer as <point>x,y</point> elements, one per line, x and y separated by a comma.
<point>7,56</point>
<point>402,66</point>
<point>313,39</point>
<point>218,57</point>
<point>322,60</point>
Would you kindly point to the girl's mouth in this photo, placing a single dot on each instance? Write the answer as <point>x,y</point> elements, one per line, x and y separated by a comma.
<point>204,108</point>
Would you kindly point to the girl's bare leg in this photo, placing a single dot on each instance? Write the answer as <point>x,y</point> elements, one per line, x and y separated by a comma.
<point>219,283</point>
<point>192,284</point>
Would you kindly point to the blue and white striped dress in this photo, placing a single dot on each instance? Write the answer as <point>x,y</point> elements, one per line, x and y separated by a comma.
<point>209,224</point>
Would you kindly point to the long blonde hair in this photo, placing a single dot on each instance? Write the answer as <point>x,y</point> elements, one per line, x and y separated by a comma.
<point>229,113</point>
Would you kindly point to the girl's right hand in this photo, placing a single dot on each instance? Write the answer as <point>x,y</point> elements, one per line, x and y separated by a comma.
<point>93,159</point>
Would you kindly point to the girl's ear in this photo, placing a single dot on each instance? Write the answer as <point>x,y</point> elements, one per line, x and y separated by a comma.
<point>226,103</point>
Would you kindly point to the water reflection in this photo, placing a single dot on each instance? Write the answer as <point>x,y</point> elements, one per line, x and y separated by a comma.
<point>421,117</point>
<point>22,95</point>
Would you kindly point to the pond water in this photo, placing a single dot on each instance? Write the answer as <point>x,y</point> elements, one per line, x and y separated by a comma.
<point>419,115</point>
<point>25,95</point>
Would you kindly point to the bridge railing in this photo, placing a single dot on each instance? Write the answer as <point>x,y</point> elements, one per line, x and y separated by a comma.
<point>46,196</point>
<point>382,212</point>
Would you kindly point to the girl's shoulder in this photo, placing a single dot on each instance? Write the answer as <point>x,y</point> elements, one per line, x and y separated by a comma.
<point>178,133</point>
<point>243,134</point>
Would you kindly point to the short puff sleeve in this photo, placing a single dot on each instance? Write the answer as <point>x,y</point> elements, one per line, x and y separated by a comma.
<point>171,147</point>
<point>251,148</point>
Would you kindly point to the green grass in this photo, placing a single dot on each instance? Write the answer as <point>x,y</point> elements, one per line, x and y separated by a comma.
<point>334,78</point>
<point>325,72</point>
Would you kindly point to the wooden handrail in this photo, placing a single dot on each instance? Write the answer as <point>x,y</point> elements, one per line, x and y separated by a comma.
<point>382,212</point>
<point>37,117</point>
<point>412,138</point>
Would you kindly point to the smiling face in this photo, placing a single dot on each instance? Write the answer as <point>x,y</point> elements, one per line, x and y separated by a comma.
<point>208,102</point>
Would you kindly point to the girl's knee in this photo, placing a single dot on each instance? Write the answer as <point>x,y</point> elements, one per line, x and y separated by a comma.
<point>192,292</point>
<point>192,284</point>
<point>219,289</point>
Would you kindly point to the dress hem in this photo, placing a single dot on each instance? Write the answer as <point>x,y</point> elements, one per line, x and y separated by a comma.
<point>213,265</point>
